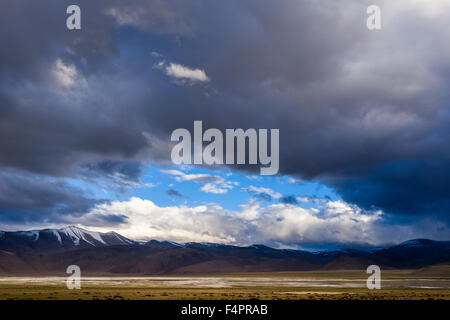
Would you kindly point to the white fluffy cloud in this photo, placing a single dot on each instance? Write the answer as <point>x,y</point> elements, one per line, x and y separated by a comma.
<point>65,75</point>
<point>146,220</point>
<point>278,224</point>
<point>212,183</point>
<point>214,188</point>
<point>309,199</point>
<point>179,71</point>
<point>181,74</point>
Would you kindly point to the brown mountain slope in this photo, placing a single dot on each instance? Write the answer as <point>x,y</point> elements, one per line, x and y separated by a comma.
<point>51,251</point>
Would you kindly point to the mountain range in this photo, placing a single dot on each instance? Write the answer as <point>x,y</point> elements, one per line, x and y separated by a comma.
<point>50,251</point>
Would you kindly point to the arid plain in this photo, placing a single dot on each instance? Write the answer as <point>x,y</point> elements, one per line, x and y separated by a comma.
<point>431,283</point>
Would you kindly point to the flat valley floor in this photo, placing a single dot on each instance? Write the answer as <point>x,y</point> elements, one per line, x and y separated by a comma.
<point>432,283</point>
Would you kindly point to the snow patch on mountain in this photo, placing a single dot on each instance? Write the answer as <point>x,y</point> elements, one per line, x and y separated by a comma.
<point>77,234</point>
<point>121,238</point>
<point>73,233</point>
<point>57,235</point>
<point>34,234</point>
<point>96,236</point>
<point>411,243</point>
<point>175,243</point>
<point>206,244</point>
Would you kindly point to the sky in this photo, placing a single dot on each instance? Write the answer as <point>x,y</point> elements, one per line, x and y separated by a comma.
<point>86,118</point>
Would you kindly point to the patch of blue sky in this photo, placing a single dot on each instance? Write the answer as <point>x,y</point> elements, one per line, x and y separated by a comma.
<point>192,194</point>
<point>238,188</point>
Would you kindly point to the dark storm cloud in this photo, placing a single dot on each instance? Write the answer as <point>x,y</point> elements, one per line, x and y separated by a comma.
<point>347,101</point>
<point>52,129</point>
<point>124,170</point>
<point>25,197</point>
<point>117,176</point>
<point>402,188</point>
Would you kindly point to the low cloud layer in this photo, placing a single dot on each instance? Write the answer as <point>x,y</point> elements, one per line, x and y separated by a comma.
<point>282,225</point>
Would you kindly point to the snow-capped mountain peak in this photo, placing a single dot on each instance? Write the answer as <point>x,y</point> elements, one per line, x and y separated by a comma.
<point>71,237</point>
<point>78,234</point>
